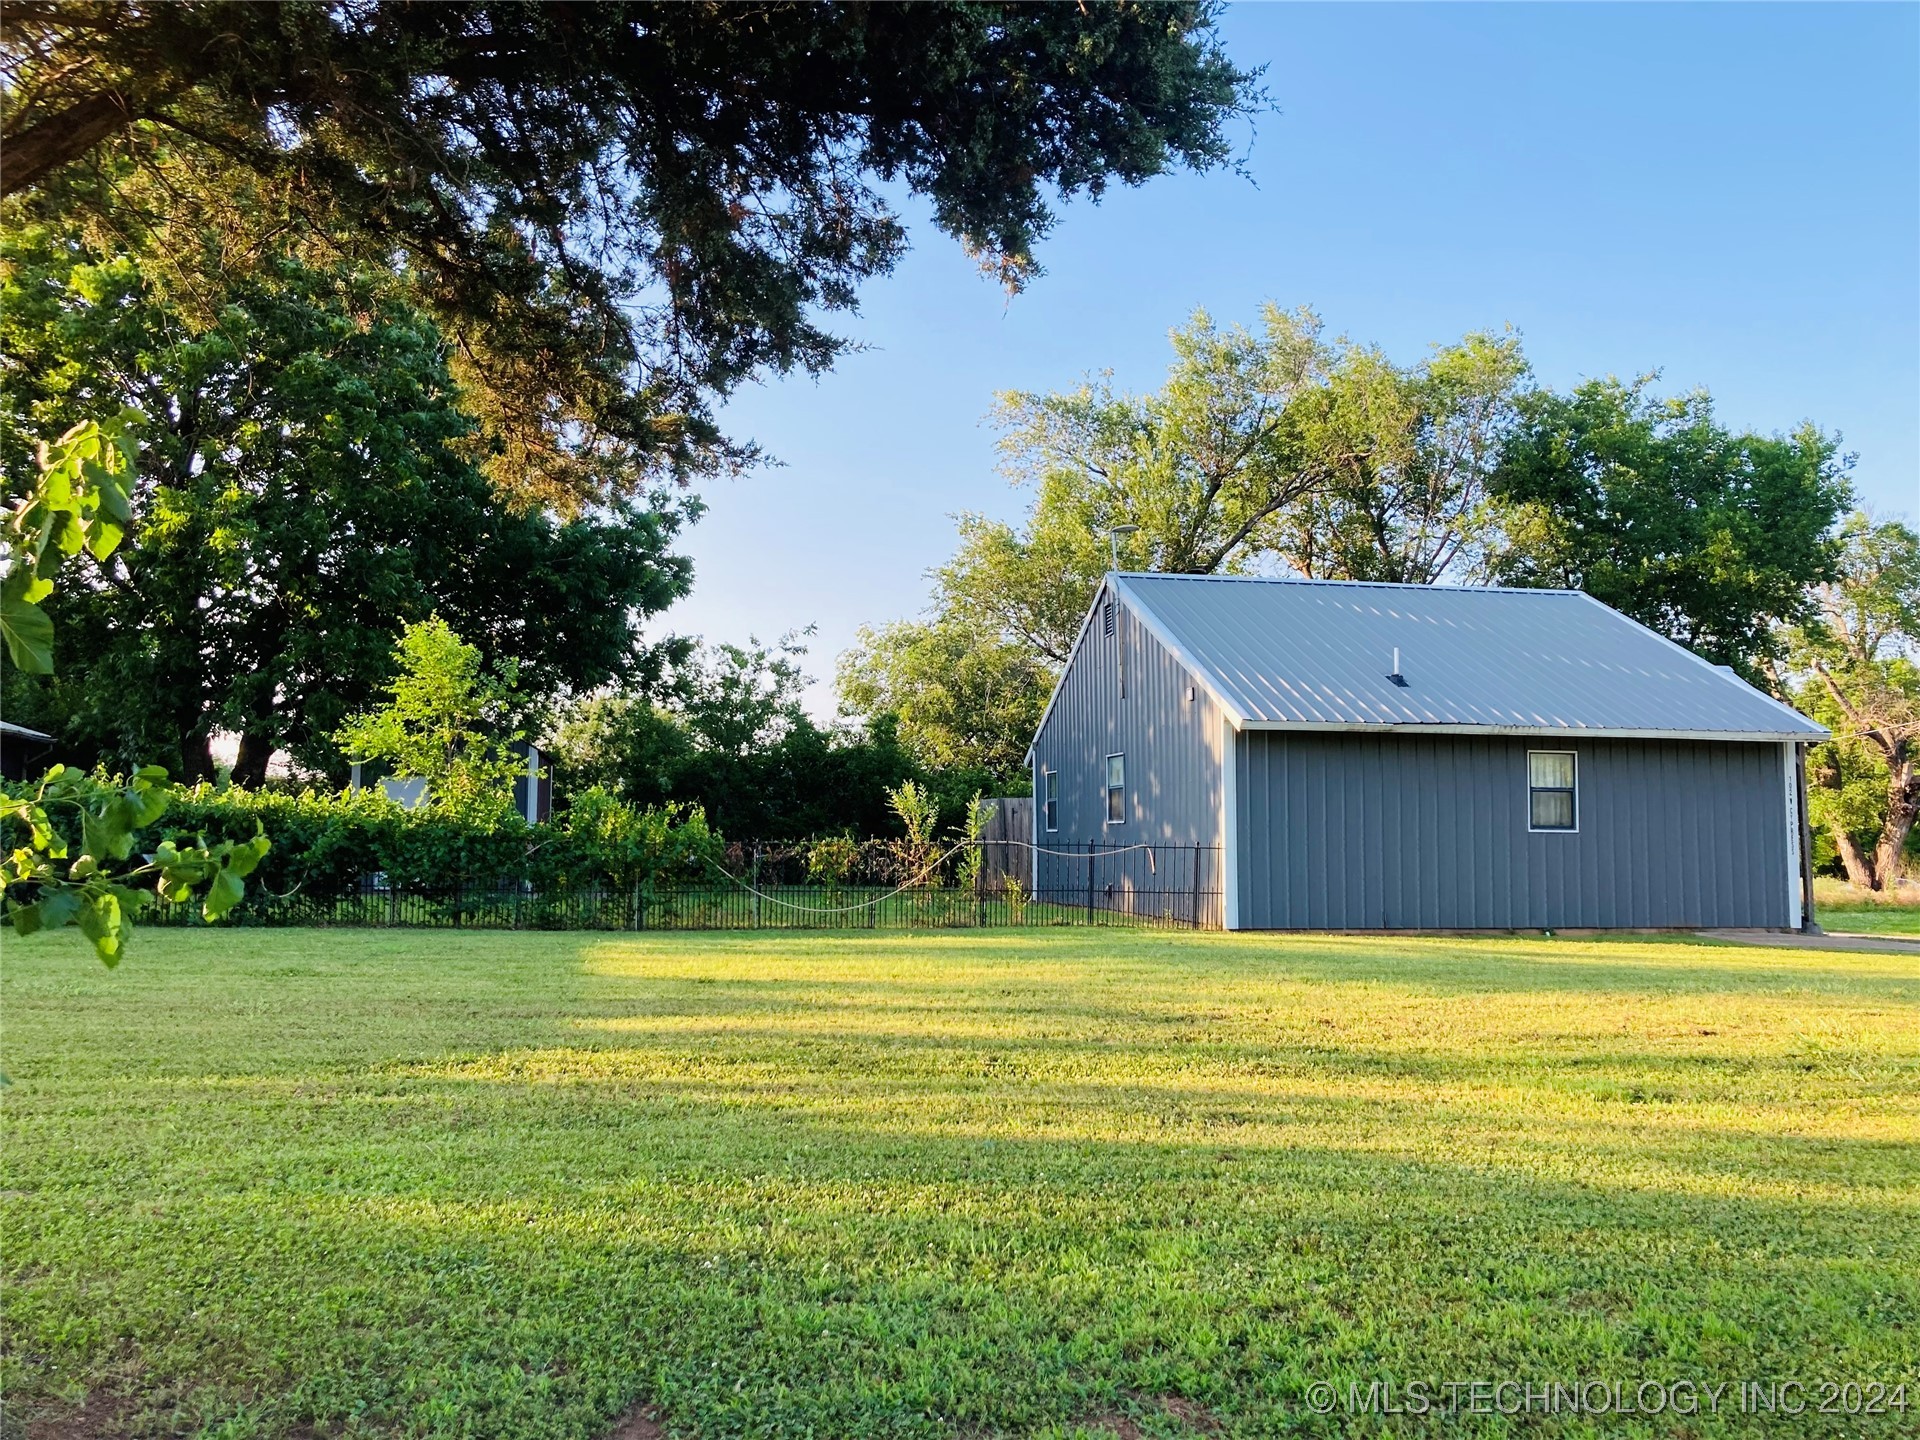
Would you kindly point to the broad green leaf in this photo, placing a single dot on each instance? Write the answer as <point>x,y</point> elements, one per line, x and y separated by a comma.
<point>29,636</point>
<point>104,537</point>
<point>106,835</point>
<point>58,906</point>
<point>225,893</point>
<point>26,918</point>
<point>67,534</point>
<point>147,806</point>
<point>248,855</point>
<point>101,922</point>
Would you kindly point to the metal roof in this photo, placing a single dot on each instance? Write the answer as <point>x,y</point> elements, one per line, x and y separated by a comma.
<point>1316,654</point>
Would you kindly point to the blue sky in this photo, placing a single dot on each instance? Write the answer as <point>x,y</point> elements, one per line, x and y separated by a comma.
<point>1727,193</point>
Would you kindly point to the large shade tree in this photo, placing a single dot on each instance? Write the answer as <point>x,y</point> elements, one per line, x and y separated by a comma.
<point>621,209</point>
<point>1708,535</point>
<point>1855,666</point>
<point>1267,449</point>
<point>302,493</point>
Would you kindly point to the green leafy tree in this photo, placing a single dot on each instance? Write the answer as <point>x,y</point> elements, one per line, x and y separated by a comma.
<point>78,499</point>
<point>307,491</point>
<point>48,886</point>
<point>961,702</point>
<point>1400,460</point>
<point>729,734</point>
<point>737,700</point>
<point>621,209</point>
<point>1652,506</point>
<point>446,722</point>
<point>1266,449</point>
<point>1855,667</point>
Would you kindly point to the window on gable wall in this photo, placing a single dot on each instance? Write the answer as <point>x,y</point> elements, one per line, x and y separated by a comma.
<point>1049,807</point>
<point>1116,789</point>
<point>1551,791</point>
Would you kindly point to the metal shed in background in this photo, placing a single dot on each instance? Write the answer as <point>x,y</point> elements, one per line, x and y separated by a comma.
<point>1424,757</point>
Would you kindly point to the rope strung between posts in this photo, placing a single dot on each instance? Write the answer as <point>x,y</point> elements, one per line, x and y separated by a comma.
<point>929,868</point>
<point>908,884</point>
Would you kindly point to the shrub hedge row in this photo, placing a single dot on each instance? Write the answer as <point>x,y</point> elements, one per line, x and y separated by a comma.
<point>327,845</point>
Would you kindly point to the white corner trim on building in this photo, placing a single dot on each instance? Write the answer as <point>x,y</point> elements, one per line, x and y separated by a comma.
<point>1229,824</point>
<point>1790,753</point>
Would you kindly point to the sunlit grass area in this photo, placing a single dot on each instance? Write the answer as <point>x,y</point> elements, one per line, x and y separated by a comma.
<point>1005,1184</point>
<point>1841,907</point>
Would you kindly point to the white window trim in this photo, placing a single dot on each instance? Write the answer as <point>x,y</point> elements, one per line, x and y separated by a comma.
<point>1106,790</point>
<point>1049,802</point>
<point>1573,829</point>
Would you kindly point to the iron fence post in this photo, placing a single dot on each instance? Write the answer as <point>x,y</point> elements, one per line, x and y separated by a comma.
<point>1193,895</point>
<point>1090,882</point>
<point>756,887</point>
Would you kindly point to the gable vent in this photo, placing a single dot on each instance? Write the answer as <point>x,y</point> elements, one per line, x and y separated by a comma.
<point>1106,621</point>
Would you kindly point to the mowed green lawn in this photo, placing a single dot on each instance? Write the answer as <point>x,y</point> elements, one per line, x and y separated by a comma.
<point>1872,919</point>
<point>955,1185</point>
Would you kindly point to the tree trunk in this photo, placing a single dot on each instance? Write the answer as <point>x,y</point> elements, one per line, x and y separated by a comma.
<point>250,764</point>
<point>197,751</point>
<point>1903,804</point>
<point>1858,862</point>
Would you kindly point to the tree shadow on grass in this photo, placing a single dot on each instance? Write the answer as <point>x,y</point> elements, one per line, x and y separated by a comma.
<point>753,1273</point>
<point>478,1224</point>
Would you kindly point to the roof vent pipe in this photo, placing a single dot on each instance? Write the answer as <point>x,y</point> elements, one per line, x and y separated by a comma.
<point>1396,677</point>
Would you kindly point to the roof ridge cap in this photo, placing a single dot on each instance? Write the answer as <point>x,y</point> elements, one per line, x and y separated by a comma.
<point>1349,584</point>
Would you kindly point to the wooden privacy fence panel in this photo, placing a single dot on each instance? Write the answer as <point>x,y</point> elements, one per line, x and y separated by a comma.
<point>1004,852</point>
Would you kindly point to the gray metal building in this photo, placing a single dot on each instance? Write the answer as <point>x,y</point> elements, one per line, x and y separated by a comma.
<point>1365,756</point>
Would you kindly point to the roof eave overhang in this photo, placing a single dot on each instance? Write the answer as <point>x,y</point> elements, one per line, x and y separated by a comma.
<point>1203,676</point>
<point>1060,681</point>
<point>1532,732</point>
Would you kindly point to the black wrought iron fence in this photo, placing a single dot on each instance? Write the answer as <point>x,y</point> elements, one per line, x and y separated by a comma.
<point>1170,886</point>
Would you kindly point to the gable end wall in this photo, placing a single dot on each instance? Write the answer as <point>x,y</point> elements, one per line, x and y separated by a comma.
<point>1172,745</point>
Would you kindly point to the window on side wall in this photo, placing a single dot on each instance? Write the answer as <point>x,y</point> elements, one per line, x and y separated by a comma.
<point>1049,807</point>
<point>1552,791</point>
<point>1116,789</point>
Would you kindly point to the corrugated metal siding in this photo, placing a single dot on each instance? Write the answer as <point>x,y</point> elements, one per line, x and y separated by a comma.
<point>1309,652</point>
<point>1352,832</point>
<point>1173,760</point>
